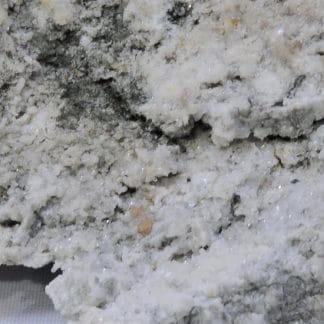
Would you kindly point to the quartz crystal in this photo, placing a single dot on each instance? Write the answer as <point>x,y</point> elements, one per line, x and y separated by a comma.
<point>167,156</point>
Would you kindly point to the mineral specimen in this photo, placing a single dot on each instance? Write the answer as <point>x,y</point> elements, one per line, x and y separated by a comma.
<point>167,156</point>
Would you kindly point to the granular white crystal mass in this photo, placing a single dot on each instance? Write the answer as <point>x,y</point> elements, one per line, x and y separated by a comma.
<point>167,156</point>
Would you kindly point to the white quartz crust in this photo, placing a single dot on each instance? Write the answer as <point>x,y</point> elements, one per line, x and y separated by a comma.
<point>167,156</point>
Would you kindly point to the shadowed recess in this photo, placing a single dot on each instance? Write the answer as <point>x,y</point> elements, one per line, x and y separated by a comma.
<point>23,298</point>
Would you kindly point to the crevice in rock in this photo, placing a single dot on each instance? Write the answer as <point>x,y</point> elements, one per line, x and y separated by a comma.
<point>129,191</point>
<point>196,22</point>
<point>278,138</point>
<point>20,114</point>
<point>162,179</point>
<point>112,217</point>
<point>9,223</point>
<point>167,241</point>
<point>279,161</point>
<point>278,103</point>
<point>317,37</point>
<point>237,78</point>
<point>269,139</point>
<point>221,228</point>
<point>234,202</point>
<point>4,87</point>
<point>192,317</point>
<point>296,84</point>
<point>199,128</point>
<point>211,85</point>
<point>118,210</point>
<point>181,256</point>
<point>304,163</point>
<point>318,123</point>
<point>194,129</point>
<point>231,216</point>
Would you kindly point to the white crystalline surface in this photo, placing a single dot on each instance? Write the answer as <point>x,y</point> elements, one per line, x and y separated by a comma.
<point>167,156</point>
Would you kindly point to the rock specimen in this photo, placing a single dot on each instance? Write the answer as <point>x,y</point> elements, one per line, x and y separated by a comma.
<point>167,156</point>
